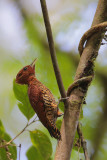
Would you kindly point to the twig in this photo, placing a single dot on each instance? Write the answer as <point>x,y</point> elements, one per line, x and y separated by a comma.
<point>83,142</point>
<point>52,50</point>
<point>97,28</point>
<point>28,124</point>
<point>19,150</point>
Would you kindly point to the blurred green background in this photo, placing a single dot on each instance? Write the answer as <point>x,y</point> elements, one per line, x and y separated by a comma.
<point>23,38</point>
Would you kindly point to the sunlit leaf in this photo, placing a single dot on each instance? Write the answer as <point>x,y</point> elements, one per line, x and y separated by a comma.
<point>21,94</point>
<point>26,109</point>
<point>2,130</point>
<point>20,91</point>
<point>42,143</point>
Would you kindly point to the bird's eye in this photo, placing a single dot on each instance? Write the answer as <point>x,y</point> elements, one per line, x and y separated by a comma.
<point>25,68</point>
<point>19,74</point>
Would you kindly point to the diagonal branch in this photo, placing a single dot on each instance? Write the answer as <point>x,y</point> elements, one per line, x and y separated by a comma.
<point>27,125</point>
<point>52,49</point>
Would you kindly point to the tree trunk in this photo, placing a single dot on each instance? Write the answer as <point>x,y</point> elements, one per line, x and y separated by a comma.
<point>85,68</point>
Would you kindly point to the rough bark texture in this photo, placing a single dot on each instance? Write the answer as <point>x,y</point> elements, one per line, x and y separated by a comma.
<point>95,29</point>
<point>85,68</point>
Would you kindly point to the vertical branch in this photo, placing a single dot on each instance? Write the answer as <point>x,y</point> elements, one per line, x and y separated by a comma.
<point>85,68</point>
<point>52,48</point>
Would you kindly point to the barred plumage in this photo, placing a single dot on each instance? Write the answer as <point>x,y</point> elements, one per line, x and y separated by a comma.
<point>54,132</point>
<point>47,111</point>
<point>41,99</point>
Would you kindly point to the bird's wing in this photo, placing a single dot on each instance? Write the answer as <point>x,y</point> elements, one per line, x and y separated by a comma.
<point>51,108</point>
<point>50,105</point>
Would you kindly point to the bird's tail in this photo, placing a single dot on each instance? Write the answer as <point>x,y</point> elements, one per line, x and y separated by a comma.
<point>54,132</point>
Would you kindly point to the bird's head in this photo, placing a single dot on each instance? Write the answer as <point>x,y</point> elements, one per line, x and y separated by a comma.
<point>25,73</point>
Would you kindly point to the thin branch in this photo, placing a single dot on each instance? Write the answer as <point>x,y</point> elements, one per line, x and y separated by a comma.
<point>19,151</point>
<point>83,142</point>
<point>28,124</point>
<point>95,29</point>
<point>17,135</point>
<point>52,49</point>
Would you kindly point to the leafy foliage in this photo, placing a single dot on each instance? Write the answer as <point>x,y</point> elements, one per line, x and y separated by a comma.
<point>42,144</point>
<point>2,130</point>
<point>34,153</point>
<point>20,92</point>
<point>11,149</point>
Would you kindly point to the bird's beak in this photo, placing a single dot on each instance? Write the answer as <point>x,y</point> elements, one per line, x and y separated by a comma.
<point>33,63</point>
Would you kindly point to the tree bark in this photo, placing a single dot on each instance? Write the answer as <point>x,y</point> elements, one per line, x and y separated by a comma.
<point>85,68</point>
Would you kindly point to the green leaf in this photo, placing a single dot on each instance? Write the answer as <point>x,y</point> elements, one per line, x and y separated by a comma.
<point>20,91</point>
<point>33,153</point>
<point>11,149</point>
<point>26,109</point>
<point>21,94</point>
<point>2,130</point>
<point>3,154</point>
<point>42,143</point>
<point>58,124</point>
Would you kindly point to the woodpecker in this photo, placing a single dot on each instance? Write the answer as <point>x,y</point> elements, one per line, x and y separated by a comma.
<point>41,99</point>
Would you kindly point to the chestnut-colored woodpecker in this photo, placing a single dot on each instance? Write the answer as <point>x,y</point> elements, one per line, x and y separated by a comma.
<point>41,99</point>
